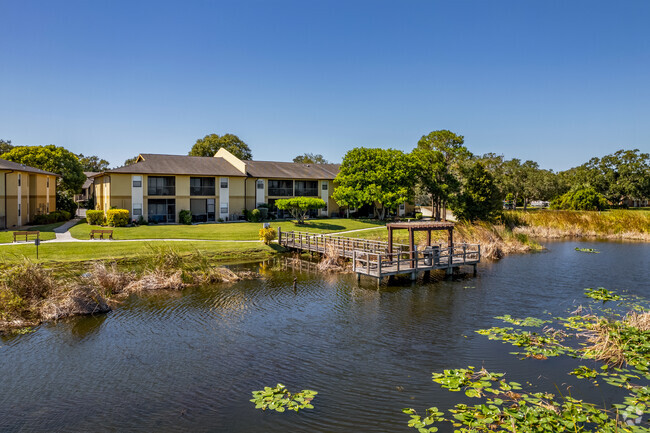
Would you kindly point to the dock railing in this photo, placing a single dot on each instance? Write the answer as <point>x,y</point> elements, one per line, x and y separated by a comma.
<point>323,243</point>
<point>436,257</point>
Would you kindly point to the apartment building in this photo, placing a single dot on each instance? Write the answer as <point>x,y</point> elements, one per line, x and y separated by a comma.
<point>24,193</point>
<point>158,187</point>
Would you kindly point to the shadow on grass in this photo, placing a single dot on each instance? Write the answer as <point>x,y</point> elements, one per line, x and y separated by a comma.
<point>321,226</point>
<point>278,248</point>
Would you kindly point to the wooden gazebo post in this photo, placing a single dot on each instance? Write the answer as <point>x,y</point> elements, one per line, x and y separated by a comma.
<point>390,240</point>
<point>412,246</point>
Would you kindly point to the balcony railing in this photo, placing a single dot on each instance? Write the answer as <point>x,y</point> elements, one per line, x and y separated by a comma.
<point>281,192</point>
<point>307,192</point>
<point>202,190</point>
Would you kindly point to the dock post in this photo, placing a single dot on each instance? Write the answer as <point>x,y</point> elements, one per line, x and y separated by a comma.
<point>414,275</point>
<point>279,235</point>
<point>474,266</point>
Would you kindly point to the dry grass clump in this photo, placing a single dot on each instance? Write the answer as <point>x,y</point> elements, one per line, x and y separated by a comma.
<point>156,280</point>
<point>76,301</point>
<point>30,294</point>
<point>109,280</point>
<point>332,262</point>
<point>640,321</point>
<point>496,240</point>
<point>617,342</point>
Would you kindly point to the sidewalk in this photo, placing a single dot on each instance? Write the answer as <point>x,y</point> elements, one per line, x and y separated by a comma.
<point>63,235</point>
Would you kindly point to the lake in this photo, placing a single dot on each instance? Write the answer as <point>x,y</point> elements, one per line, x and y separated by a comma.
<point>189,361</point>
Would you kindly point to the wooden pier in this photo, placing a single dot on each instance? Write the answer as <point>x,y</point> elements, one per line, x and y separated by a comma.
<point>381,259</point>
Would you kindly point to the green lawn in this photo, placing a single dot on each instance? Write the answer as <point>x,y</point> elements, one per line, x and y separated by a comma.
<point>46,233</point>
<point>65,252</point>
<point>224,231</point>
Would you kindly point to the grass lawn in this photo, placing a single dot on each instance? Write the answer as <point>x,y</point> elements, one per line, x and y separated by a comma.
<point>224,231</point>
<point>65,252</point>
<point>47,233</point>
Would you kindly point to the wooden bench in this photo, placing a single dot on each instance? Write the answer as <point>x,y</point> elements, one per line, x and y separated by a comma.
<point>27,234</point>
<point>101,234</point>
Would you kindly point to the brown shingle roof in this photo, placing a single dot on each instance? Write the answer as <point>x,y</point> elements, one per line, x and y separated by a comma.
<point>180,164</point>
<point>16,166</point>
<point>291,170</point>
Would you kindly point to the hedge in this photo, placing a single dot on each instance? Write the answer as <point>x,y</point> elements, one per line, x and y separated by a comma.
<point>95,217</point>
<point>117,217</point>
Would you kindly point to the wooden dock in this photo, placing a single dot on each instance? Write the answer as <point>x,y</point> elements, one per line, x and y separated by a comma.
<point>380,259</point>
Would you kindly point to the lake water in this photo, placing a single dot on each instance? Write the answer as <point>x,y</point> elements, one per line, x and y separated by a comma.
<point>189,361</point>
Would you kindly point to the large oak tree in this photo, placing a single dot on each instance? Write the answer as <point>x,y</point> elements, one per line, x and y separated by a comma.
<point>210,144</point>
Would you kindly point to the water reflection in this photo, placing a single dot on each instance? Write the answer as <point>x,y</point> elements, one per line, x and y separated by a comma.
<point>188,361</point>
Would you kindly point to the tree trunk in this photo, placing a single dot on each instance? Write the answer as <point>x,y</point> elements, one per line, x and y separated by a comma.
<point>525,203</point>
<point>444,210</point>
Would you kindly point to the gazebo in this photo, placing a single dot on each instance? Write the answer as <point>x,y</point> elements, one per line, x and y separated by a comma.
<point>420,226</point>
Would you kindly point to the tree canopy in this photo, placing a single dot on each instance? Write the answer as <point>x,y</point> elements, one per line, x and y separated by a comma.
<point>52,158</point>
<point>380,177</point>
<point>479,197</point>
<point>210,144</point>
<point>92,163</point>
<point>5,146</point>
<point>131,160</point>
<point>438,157</point>
<point>300,206</point>
<point>310,158</point>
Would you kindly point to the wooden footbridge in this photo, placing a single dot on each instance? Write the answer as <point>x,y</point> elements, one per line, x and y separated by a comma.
<point>381,259</point>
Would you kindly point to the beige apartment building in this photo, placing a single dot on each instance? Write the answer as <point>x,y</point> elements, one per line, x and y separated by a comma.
<point>158,187</point>
<point>24,193</point>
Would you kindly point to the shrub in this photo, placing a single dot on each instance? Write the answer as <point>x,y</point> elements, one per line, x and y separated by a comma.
<point>418,215</point>
<point>267,235</point>
<point>581,198</point>
<point>255,215</point>
<point>95,217</point>
<point>247,214</point>
<point>65,215</point>
<point>117,217</point>
<point>64,202</point>
<point>264,212</point>
<point>185,217</point>
<point>300,206</point>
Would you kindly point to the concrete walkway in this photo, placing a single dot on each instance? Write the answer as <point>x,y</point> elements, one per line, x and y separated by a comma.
<point>63,235</point>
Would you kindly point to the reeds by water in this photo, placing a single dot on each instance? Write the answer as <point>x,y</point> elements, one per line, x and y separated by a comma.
<point>550,224</point>
<point>31,294</point>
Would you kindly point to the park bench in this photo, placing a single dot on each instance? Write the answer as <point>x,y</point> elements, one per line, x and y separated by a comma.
<point>27,234</point>
<point>101,234</point>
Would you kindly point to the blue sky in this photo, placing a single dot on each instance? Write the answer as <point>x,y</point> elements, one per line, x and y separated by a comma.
<point>553,81</point>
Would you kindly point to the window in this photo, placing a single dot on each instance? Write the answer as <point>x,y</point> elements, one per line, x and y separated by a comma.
<point>224,209</point>
<point>281,188</point>
<point>19,208</point>
<point>402,206</point>
<point>260,184</point>
<point>47,208</point>
<point>224,182</point>
<point>161,185</point>
<point>137,209</point>
<point>324,186</point>
<point>201,185</point>
<point>202,210</point>
<point>48,182</point>
<point>137,181</point>
<point>307,188</point>
<point>19,181</point>
<point>162,210</point>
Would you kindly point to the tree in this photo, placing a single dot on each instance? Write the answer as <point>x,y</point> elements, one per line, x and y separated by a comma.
<point>210,144</point>
<point>380,177</point>
<point>5,146</point>
<point>479,197</point>
<point>310,158</point>
<point>300,206</point>
<point>438,157</point>
<point>92,163</point>
<point>580,198</point>
<point>131,160</point>
<point>54,159</point>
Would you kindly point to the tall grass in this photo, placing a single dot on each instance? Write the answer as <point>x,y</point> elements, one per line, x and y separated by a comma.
<point>614,224</point>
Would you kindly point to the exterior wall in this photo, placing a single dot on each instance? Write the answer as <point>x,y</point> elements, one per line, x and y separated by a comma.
<point>33,198</point>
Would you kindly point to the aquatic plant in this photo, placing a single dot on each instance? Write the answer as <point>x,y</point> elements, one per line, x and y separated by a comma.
<point>618,340</point>
<point>587,250</point>
<point>280,399</point>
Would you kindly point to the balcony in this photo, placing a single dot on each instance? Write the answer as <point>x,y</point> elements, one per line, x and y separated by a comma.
<point>280,192</point>
<point>306,192</point>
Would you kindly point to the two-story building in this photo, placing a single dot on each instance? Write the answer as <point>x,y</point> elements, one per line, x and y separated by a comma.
<point>158,187</point>
<point>24,193</point>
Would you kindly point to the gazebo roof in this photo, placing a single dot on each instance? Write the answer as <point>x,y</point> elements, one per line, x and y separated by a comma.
<point>422,225</point>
